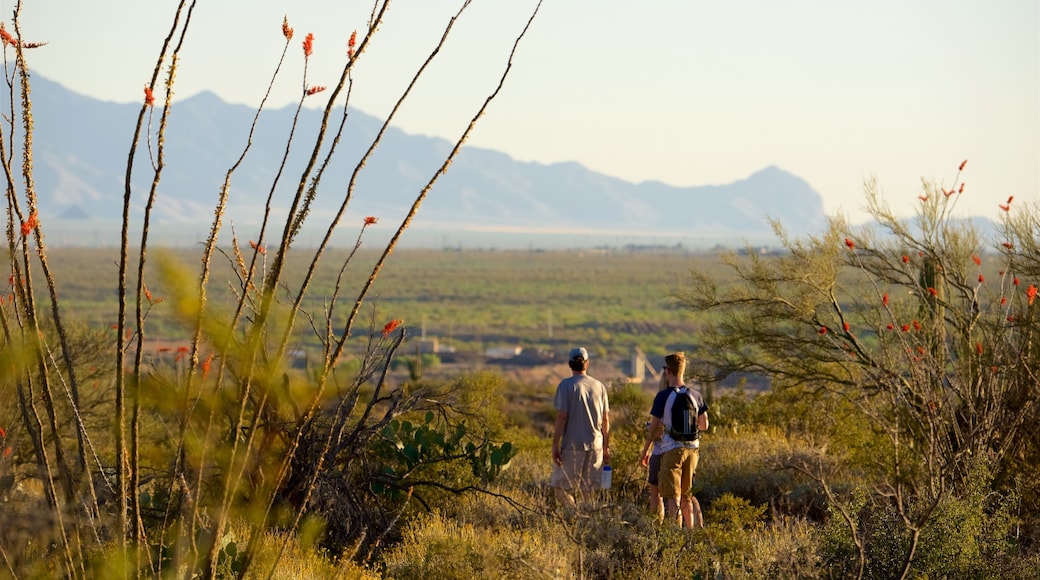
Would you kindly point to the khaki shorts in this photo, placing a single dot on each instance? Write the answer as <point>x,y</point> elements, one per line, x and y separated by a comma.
<point>678,467</point>
<point>579,469</point>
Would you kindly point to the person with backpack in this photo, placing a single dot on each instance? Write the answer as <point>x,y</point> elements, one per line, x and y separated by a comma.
<point>677,418</point>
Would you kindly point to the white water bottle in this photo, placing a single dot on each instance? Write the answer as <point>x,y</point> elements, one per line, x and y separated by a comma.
<point>605,479</point>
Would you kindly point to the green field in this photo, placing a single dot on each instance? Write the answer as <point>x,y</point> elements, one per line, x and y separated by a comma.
<point>609,300</point>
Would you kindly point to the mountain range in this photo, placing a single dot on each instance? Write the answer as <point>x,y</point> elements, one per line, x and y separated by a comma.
<point>81,146</point>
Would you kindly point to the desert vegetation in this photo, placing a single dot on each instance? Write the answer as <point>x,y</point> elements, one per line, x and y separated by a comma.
<point>159,426</point>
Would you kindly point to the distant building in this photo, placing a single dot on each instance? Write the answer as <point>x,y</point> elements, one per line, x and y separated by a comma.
<point>503,352</point>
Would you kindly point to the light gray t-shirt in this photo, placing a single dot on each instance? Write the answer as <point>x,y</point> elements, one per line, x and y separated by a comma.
<point>584,399</point>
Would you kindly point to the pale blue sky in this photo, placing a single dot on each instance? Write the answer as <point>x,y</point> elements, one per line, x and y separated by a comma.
<point>688,92</point>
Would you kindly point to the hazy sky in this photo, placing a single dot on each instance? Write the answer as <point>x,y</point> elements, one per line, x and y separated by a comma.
<point>687,92</point>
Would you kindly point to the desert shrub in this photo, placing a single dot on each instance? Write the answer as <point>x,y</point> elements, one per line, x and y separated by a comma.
<point>448,444</point>
<point>437,547</point>
<point>743,545</point>
<point>968,530</point>
<point>284,556</point>
<point>750,465</point>
<point>967,535</point>
<point>837,540</point>
<point>626,543</point>
<point>786,548</point>
<point>795,412</point>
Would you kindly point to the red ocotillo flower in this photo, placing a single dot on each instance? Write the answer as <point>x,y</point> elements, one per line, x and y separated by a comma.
<point>1008,245</point>
<point>371,220</point>
<point>978,348</point>
<point>917,325</point>
<point>823,330</point>
<point>961,189</point>
<point>981,279</point>
<point>906,328</point>
<point>351,44</point>
<point>845,326</point>
<point>933,291</point>
<point>963,163</point>
<point>850,244</point>
<point>286,31</point>
<point>308,44</point>
<point>391,326</point>
<point>3,433</point>
<point>1015,281</point>
<point>890,326</point>
<point>149,98</point>
<point>1031,293</point>
<point>30,224</point>
<point>6,36</point>
<point>884,299</point>
<point>206,365</point>
<point>906,259</point>
<point>977,260</point>
<point>923,197</point>
<point>315,90</point>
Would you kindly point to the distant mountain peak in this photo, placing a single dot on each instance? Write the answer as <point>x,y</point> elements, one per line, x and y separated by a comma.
<point>773,173</point>
<point>205,98</point>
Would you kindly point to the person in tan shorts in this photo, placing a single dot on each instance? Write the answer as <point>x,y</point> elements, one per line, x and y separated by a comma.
<point>679,455</point>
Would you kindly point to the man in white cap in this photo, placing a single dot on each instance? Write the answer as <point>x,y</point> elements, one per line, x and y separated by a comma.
<point>581,435</point>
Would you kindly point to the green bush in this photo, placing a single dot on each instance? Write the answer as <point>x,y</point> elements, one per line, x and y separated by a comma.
<point>967,535</point>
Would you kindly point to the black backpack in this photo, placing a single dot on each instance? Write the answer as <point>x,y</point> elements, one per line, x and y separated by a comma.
<point>684,416</point>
